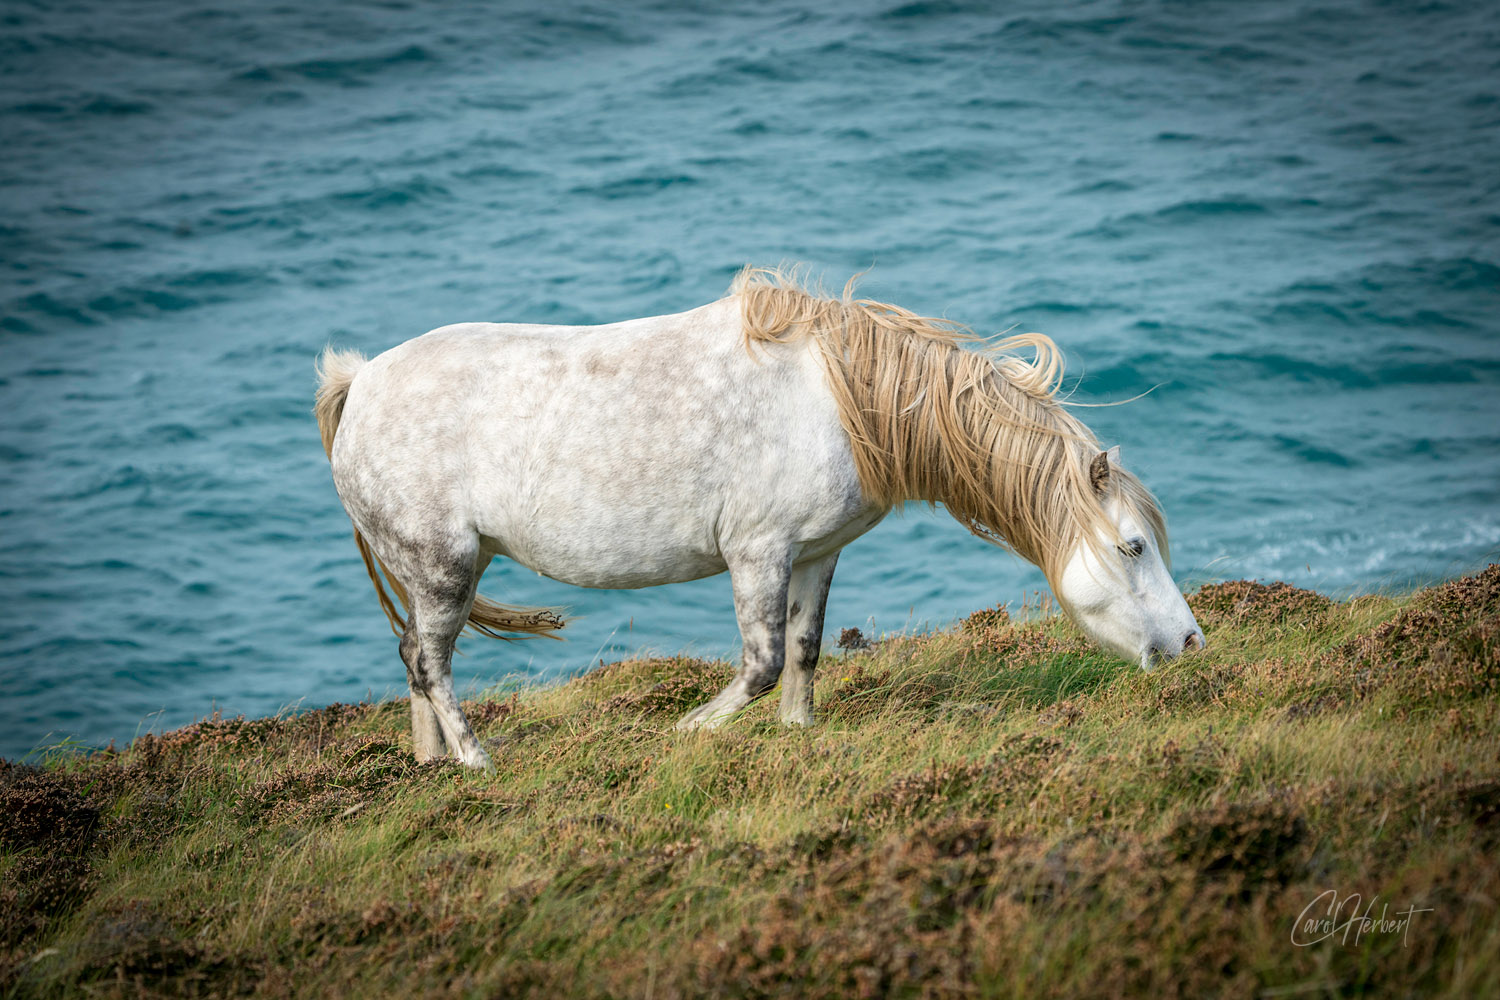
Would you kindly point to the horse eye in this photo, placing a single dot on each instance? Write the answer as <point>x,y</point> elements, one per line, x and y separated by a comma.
<point>1134,548</point>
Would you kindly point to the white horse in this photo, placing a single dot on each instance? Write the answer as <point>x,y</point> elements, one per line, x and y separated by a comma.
<point>759,434</point>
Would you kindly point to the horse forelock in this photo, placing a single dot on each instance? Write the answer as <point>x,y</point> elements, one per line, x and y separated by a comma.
<point>981,431</point>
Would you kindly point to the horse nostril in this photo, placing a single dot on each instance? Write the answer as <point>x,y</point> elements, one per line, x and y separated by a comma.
<point>1194,640</point>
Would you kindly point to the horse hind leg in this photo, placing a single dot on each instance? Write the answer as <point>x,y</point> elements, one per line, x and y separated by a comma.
<point>426,732</point>
<point>440,589</point>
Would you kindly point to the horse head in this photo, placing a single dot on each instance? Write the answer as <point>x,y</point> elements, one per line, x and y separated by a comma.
<point>1116,585</point>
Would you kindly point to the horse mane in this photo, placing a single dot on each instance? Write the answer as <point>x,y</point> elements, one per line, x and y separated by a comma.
<point>981,431</point>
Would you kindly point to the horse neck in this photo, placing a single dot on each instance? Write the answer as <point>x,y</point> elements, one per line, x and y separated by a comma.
<point>1006,463</point>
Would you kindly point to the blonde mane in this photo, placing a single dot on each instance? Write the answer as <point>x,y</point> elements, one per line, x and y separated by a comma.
<point>980,431</point>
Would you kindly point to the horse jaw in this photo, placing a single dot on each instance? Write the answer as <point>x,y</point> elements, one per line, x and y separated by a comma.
<point>1128,603</point>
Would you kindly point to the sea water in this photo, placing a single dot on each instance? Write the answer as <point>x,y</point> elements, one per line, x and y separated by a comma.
<point>1280,222</point>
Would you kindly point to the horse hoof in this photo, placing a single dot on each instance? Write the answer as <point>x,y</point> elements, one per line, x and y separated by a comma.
<point>479,761</point>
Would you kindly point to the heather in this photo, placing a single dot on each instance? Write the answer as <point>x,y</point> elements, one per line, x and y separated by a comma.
<point>995,810</point>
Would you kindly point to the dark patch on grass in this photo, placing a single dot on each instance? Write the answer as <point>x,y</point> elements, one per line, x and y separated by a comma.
<point>38,809</point>
<point>483,713</point>
<point>140,949</point>
<point>1309,708</point>
<point>1480,802</point>
<point>38,891</point>
<point>1259,841</point>
<point>1199,765</point>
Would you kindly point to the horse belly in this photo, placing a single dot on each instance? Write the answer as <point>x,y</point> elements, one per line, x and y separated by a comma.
<point>680,514</point>
<point>612,546</point>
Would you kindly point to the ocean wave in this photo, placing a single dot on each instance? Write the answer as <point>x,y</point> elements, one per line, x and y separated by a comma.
<point>349,71</point>
<point>1276,365</point>
<point>292,213</point>
<point>934,164</point>
<point>161,294</point>
<point>1311,452</point>
<point>635,186</point>
<point>927,9</point>
<point>731,72</point>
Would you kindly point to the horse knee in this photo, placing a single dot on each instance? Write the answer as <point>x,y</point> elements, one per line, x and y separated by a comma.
<point>411,655</point>
<point>805,656</point>
<point>759,681</point>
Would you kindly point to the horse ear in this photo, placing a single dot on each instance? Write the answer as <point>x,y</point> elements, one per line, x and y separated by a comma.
<point>1114,456</point>
<point>1099,473</point>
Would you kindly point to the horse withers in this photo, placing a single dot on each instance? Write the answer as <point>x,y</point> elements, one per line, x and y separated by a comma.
<point>759,434</point>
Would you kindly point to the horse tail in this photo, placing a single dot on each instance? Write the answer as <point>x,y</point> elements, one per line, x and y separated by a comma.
<point>336,371</point>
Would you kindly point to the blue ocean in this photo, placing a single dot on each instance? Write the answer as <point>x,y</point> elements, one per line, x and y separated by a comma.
<point>1278,224</point>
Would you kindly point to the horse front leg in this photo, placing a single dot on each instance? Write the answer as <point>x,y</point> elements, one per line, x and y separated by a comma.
<point>760,600</point>
<point>807,599</point>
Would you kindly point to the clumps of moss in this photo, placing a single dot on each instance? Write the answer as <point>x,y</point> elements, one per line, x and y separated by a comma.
<point>1248,603</point>
<point>137,944</point>
<point>38,809</point>
<point>986,619</point>
<point>482,714</point>
<point>853,640</point>
<point>51,827</point>
<point>1469,597</point>
<point>1199,765</point>
<point>888,919</point>
<point>345,780</point>
<point>306,731</point>
<point>39,889</point>
<point>1028,643</point>
<point>982,785</point>
<point>1258,841</point>
<point>657,685</point>
<point>1444,646</point>
<point>1199,686</point>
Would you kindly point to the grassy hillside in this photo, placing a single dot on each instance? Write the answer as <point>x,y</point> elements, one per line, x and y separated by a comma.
<point>997,810</point>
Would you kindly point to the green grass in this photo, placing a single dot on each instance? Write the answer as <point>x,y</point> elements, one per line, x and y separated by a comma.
<point>999,810</point>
